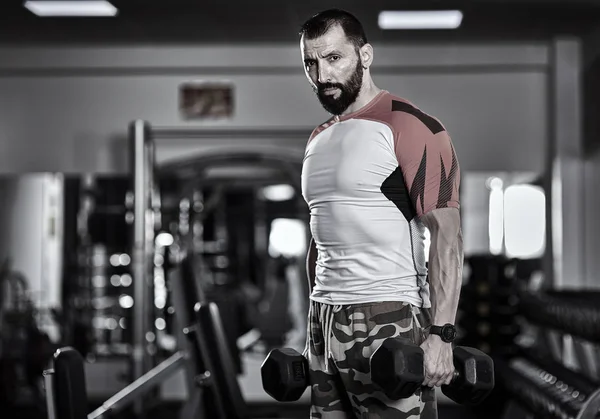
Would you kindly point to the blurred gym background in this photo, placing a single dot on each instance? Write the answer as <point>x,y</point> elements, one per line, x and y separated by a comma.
<point>139,139</point>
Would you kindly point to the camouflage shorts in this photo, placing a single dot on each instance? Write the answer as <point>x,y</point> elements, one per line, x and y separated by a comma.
<point>340,342</point>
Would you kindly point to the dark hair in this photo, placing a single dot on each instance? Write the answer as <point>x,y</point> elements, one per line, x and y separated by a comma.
<point>319,25</point>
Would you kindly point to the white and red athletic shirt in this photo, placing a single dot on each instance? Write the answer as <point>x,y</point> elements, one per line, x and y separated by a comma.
<point>367,177</point>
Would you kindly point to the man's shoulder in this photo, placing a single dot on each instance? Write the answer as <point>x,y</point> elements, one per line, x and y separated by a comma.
<point>402,114</point>
<point>320,128</point>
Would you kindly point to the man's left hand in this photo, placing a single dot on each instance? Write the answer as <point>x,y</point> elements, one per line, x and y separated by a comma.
<point>438,360</point>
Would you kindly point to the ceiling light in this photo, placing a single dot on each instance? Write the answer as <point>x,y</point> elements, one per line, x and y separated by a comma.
<point>77,8</point>
<point>434,19</point>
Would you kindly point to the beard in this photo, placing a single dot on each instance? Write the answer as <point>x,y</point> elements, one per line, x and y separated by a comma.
<point>347,95</point>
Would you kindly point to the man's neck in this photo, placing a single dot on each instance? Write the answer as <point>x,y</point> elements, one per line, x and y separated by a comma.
<point>366,95</point>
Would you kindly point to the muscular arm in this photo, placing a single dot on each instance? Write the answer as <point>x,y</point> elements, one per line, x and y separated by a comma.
<point>445,263</point>
<point>311,262</point>
<point>432,174</point>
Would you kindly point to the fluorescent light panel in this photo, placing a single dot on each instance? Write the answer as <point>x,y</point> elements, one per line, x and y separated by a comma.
<point>79,8</point>
<point>433,19</point>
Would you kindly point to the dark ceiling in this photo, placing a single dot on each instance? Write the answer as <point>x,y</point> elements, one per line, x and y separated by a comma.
<point>270,21</point>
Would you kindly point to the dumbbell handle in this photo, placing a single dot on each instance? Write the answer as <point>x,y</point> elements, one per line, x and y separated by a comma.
<point>455,377</point>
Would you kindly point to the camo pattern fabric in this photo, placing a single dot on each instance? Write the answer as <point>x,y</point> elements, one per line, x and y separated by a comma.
<point>340,342</point>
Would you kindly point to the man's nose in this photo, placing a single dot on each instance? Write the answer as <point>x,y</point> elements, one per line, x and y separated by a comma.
<point>324,74</point>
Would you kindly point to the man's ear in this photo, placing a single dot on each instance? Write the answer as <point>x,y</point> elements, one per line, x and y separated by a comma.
<point>366,55</point>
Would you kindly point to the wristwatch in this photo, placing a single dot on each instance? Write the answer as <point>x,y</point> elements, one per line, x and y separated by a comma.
<point>447,332</point>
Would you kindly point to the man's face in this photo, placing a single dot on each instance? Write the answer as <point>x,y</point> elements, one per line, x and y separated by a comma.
<point>334,69</point>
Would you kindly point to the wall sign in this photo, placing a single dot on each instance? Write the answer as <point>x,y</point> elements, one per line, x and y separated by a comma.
<point>206,100</point>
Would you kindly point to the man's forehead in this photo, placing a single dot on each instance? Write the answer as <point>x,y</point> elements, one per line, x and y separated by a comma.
<point>323,50</point>
<point>323,47</point>
<point>332,40</point>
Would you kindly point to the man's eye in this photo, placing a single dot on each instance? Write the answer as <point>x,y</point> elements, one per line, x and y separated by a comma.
<point>334,58</point>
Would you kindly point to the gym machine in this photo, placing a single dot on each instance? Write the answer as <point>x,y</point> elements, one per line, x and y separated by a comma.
<point>227,394</point>
<point>205,357</point>
<point>538,378</point>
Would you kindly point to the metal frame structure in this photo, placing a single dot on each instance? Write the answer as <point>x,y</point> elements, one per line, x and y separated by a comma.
<point>140,387</point>
<point>142,145</point>
<point>142,165</point>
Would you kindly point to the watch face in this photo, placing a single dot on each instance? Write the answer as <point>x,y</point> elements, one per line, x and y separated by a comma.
<point>449,333</point>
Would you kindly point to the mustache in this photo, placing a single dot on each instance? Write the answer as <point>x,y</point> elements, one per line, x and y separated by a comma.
<point>325,86</point>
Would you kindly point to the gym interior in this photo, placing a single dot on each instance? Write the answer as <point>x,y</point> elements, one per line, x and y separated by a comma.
<point>154,233</point>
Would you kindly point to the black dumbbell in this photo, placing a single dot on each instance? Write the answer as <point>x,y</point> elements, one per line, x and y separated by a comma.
<point>397,367</point>
<point>473,379</point>
<point>284,374</point>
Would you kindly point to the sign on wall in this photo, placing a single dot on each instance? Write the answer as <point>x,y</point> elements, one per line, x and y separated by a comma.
<point>206,100</point>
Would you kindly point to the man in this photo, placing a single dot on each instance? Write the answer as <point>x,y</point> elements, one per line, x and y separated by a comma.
<point>375,176</point>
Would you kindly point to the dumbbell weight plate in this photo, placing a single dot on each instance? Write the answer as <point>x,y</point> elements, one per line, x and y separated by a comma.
<point>284,374</point>
<point>397,368</point>
<point>473,379</point>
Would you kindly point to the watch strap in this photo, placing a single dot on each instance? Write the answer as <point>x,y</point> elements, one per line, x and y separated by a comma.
<point>436,330</point>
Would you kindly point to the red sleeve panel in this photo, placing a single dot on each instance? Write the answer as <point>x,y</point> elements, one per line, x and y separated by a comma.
<point>426,158</point>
